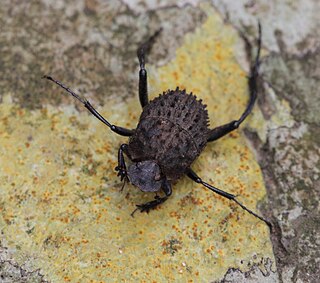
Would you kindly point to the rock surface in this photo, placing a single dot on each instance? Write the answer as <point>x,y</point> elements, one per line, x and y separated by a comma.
<point>62,217</point>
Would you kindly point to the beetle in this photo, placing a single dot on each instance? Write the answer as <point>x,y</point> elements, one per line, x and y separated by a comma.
<point>173,130</point>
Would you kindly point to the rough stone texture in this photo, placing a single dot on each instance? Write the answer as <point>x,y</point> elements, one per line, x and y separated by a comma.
<point>256,273</point>
<point>289,154</point>
<point>11,272</point>
<point>91,45</point>
<point>92,40</point>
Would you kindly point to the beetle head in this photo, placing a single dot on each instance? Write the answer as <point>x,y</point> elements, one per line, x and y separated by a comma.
<point>146,175</point>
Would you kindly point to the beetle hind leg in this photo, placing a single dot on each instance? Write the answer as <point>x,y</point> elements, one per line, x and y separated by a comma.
<point>193,176</point>
<point>223,130</point>
<point>122,168</point>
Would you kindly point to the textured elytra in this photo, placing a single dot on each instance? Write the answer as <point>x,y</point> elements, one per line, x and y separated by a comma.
<point>172,130</point>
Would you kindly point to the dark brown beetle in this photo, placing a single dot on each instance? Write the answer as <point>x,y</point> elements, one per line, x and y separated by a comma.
<point>172,132</point>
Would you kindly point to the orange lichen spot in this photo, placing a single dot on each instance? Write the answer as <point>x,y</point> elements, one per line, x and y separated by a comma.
<point>175,214</point>
<point>176,228</point>
<point>106,147</point>
<point>64,219</point>
<point>21,112</point>
<point>99,216</point>
<point>256,185</point>
<point>197,201</point>
<point>75,210</point>
<point>234,135</point>
<point>63,182</point>
<point>66,278</point>
<point>210,232</point>
<point>244,167</point>
<point>220,252</point>
<point>133,115</point>
<point>244,157</point>
<point>104,209</point>
<point>99,151</point>
<point>175,75</point>
<point>217,56</point>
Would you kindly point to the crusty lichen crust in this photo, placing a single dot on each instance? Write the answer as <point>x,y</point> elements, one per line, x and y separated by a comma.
<point>61,206</point>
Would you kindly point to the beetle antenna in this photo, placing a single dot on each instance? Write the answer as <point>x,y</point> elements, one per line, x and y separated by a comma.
<point>66,88</point>
<point>119,130</point>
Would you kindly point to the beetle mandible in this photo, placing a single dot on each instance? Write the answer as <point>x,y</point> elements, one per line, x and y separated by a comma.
<point>172,131</point>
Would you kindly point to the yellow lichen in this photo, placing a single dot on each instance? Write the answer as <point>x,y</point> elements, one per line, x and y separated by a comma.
<point>62,209</point>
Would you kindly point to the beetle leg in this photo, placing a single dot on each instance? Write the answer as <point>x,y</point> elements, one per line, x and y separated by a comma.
<point>119,130</point>
<point>193,176</point>
<point>143,79</point>
<point>121,168</point>
<point>145,207</point>
<point>221,131</point>
<point>143,76</point>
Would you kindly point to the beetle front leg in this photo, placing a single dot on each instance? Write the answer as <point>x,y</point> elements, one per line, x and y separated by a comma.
<point>146,207</point>
<point>121,168</point>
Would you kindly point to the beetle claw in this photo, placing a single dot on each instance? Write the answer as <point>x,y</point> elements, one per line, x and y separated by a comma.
<point>122,172</point>
<point>146,207</point>
<point>142,208</point>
